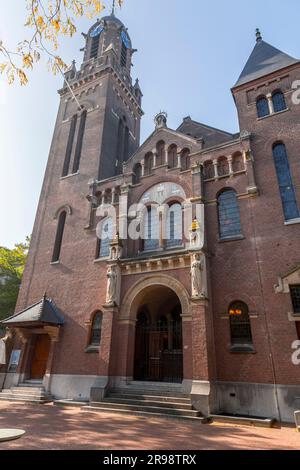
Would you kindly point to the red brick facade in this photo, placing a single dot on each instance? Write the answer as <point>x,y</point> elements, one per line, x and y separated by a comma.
<point>244,268</point>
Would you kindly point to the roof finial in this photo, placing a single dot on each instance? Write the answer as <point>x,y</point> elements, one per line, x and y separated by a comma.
<point>258,35</point>
<point>113,8</point>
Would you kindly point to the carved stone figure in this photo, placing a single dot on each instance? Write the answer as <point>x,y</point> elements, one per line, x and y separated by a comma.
<point>197,276</point>
<point>112,284</point>
<point>161,120</point>
<point>3,347</point>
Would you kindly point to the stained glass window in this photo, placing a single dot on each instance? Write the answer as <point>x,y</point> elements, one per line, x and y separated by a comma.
<point>96,329</point>
<point>229,214</point>
<point>262,106</point>
<point>295,294</point>
<point>287,192</point>
<point>240,327</point>
<point>278,102</point>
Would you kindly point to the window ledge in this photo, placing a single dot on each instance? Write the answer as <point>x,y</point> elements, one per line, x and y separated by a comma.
<point>92,349</point>
<point>69,176</point>
<point>273,114</point>
<point>53,263</point>
<point>231,239</point>
<point>99,260</point>
<point>292,221</point>
<point>242,349</point>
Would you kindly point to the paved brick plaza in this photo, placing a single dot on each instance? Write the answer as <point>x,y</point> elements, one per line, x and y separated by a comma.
<point>51,427</point>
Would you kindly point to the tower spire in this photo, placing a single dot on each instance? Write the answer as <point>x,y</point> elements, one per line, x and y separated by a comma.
<point>258,35</point>
<point>113,8</point>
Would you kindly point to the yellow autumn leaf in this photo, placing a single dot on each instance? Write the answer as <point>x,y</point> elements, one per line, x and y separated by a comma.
<point>56,24</point>
<point>40,21</point>
<point>22,76</point>
<point>27,60</point>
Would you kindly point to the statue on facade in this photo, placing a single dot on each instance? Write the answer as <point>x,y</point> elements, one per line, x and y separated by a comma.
<point>161,120</point>
<point>3,347</point>
<point>112,284</point>
<point>197,276</point>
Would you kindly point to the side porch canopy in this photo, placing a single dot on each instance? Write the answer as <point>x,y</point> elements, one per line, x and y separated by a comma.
<point>42,313</point>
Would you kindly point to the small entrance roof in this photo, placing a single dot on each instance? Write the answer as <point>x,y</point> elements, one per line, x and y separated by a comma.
<point>43,312</point>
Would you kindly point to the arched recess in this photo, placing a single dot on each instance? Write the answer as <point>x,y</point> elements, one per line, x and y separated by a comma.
<point>66,208</point>
<point>132,299</point>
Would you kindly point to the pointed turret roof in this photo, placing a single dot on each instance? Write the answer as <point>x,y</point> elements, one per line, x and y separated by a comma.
<point>265,59</point>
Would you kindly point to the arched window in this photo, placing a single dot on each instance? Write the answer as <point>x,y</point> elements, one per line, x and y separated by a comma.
<point>208,171</point>
<point>123,55</point>
<point>151,229</point>
<point>223,166</point>
<point>106,237</point>
<point>238,162</point>
<point>240,327</point>
<point>174,226</point>
<point>79,142</point>
<point>172,156</point>
<point>59,236</point>
<point>137,173</point>
<point>94,47</point>
<point>287,192</point>
<point>262,106</point>
<point>160,159</point>
<point>120,145</point>
<point>229,214</point>
<point>148,163</point>
<point>96,326</point>
<point>279,103</point>
<point>66,166</point>
<point>126,144</point>
<point>185,159</point>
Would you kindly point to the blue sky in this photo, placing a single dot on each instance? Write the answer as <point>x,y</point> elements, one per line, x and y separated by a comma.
<point>189,56</point>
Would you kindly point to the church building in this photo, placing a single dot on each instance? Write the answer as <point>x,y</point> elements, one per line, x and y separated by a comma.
<point>169,268</point>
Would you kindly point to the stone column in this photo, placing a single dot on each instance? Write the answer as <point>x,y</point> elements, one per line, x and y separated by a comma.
<point>143,167</point>
<point>248,160</point>
<point>154,157</point>
<point>166,155</point>
<point>179,159</point>
<point>113,196</point>
<point>229,159</point>
<point>270,102</point>
<point>215,163</point>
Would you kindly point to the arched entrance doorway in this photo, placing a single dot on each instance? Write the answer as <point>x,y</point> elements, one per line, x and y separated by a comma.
<point>158,337</point>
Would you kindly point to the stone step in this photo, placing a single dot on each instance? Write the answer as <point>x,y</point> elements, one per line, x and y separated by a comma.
<point>25,395</point>
<point>244,420</point>
<point>149,414</point>
<point>158,393</point>
<point>147,401</point>
<point>25,399</point>
<point>29,391</point>
<point>73,403</point>
<point>31,385</point>
<point>146,408</point>
<point>146,397</point>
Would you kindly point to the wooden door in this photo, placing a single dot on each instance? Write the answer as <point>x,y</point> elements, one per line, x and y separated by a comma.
<point>40,357</point>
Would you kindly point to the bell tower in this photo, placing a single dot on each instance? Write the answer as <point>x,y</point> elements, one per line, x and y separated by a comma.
<point>105,75</point>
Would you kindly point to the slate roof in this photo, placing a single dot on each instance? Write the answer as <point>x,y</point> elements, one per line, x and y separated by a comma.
<point>44,311</point>
<point>210,135</point>
<point>264,59</point>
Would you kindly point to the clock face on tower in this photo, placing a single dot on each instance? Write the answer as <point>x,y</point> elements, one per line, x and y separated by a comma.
<point>125,39</point>
<point>96,30</point>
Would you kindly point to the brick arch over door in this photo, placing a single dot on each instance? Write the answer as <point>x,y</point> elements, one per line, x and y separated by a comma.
<point>131,301</point>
